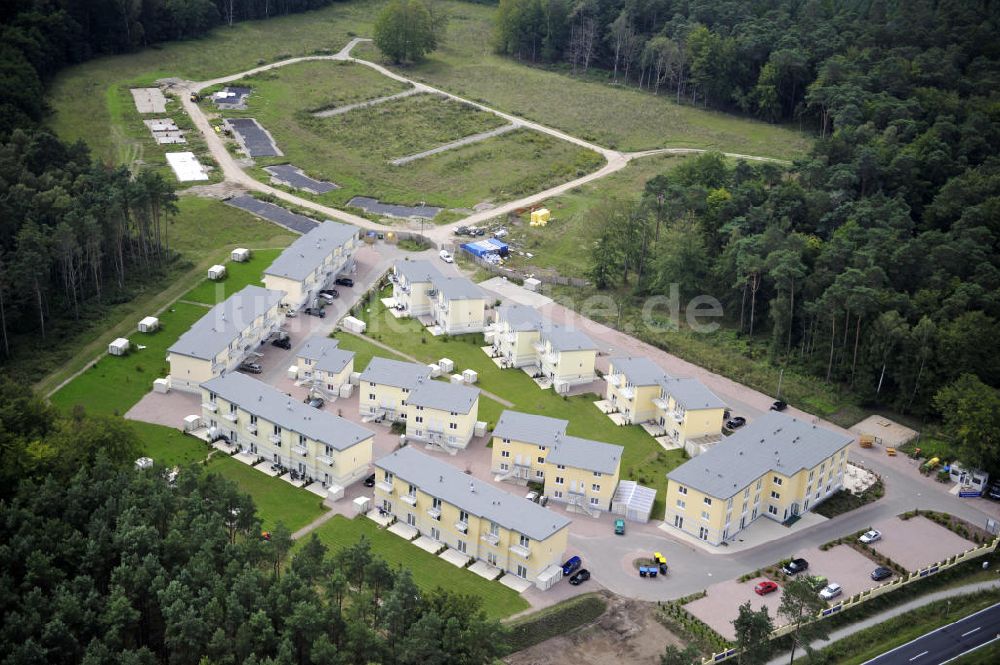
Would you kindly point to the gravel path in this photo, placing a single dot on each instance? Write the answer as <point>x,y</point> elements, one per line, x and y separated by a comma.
<point>340,110</point>
<point>474,138</point>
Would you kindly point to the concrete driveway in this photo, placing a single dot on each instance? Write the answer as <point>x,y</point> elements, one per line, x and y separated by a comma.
<point>721,604</point>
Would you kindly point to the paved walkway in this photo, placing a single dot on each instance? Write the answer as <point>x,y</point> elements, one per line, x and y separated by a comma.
<point>315,524</point>
<point>465,140</point>
<point>340,110</point>
<point>927,599</point>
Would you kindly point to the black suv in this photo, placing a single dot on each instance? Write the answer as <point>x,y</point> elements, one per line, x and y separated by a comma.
<point>993,491</point>
<point>344,281</point>
<point>795,566</point>
<point>370,481</point>
<point>779,405</point>
<point>282,342</point>
<point>315,311</point>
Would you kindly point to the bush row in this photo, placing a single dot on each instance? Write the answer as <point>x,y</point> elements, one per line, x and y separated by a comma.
<point>557,620</point>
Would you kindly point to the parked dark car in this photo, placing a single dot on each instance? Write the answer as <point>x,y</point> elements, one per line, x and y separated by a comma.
<point>572,565</point>
<point>252,368</point>
<point>333,293</point>
<point>579,577</point>
<point>370,481</point>
<point>344,281</point>
<point>881,573</point>
<point>282,343</point>
<point>315,311</point>
<point>779,405</point>
<point>736,423</point>
<point>315,402</point>
<point>795,566</point>
<point>993,491</point>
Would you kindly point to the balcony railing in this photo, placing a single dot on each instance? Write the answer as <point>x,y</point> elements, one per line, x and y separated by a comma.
<point>275,439</point>
<point>410,499</point>
<point>613,379</point>
<point>491,538</point>
<point>252,428</point>
<point>538,346</point>
<point>384,486</point>
<point>325,459</point>
<point>299,449</point>
<point>661,403</point>
<point>210,406</point>
<point>628,392</point>
<point>520,550</point>
<point>435,513</point>
<point>462,527</point>
<point>231,417</point>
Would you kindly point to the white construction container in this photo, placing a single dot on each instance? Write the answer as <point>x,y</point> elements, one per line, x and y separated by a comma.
<point>362,504</point>
<point>489,337</point>
<point>532,284</point>
<point>293,372</point>
<point>447,365</point>
<point>161,386</point>
<point>119,347</point>
<point>149,324</point>
<point>144,463</point>
<point>480,428</point>
<point>192,423</point>
<point>470,376</point>
<point>346,390</point>
<point>353,325</point>
<point>457,378</point>
<point>240,255</point>
<point>217,272</point>
<point>355,378</point>
<point>435,370</point>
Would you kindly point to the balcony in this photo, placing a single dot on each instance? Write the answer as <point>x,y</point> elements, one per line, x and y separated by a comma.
<point>521,551</point>
<point>435,513</point>
<point>299,449</point>
<point>384,486</point>
<point>252,428</point>
<point>491,538</point>
<point>275,439</point>
<point>462,527</point>
<point>613,379</point>
<point>538,346</point>
<point>410,499</point>
<point>210,406</point>
<point>627,392</point>
<point>678,416</point>
<point>325,459</point>
<point>661,403</point>
<point>231,416</point>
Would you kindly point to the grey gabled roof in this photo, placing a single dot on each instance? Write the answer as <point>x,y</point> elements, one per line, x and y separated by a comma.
<point>444,396</point>
<point>324,353</point>
<point>520,317</point>
<point>540,430</point>
<point>417,271</point>
<point>262,400</point>
<point>586,454</point>
<point>215,331</point>
<point>458,288</point>
<point>692,394</point>
<point>564,339</point>
<point>773,442</point>
<point>309,251</point>
<point>639,371</point>
<point>445,482</point>
<point>395,373</point>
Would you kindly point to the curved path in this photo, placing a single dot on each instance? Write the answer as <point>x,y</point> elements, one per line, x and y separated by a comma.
<point>233,172</point>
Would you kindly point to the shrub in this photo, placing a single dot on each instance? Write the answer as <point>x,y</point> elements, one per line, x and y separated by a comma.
<point>556,620</point>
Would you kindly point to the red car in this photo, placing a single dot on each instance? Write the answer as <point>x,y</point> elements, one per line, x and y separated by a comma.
<point>765,587</point>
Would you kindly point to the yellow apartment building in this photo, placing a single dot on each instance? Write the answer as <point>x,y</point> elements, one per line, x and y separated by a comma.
<point>690,414</point>
<point>515,331</point>
<point>264,421</point>
<point>458,305</point>
<point>579,472</point>
<point>411,280</point>
<point>443,414</point>
<point>776,467</point>
<point>632,385</point>
<point>312,262</point>
<point>472,517</point>
<point>323,365</point>
<point>222,339</point>
<point>565,356</point>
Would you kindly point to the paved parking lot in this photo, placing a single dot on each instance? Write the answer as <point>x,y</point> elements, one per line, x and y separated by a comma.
<point>844,565</point>
<point>918,542</point>
<point>721,604</point>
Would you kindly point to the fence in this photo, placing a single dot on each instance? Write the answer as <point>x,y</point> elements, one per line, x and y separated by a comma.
<point>874,592</point>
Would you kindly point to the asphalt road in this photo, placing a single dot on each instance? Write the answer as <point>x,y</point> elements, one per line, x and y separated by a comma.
<point>947,642</point>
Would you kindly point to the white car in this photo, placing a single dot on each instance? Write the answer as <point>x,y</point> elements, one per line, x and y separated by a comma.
<point>446,256</point>
<point>532,496</point>
<point>830,591</point>
<point>870,536</point>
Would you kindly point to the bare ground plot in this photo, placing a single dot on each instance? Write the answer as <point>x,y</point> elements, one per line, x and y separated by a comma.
<point>627,632</point>
<point>918,542</point>
<point>722,601</point>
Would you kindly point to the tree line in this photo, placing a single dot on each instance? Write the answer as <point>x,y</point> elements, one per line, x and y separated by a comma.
<point>73,233</point>
<point>778,60</point>
<point>873,262</point>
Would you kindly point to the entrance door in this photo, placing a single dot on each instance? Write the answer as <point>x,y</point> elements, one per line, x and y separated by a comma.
<point>703,533</point>
<point>795,509</point>
<point>678,521</point>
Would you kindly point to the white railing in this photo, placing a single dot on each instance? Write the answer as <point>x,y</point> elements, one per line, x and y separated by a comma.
<point>435,513</point>
<point>325,459</point>
<point>252,428</point>
<point>463,527</point>
<point>299,449</point>
<point>275,439</point>
<point>491,538</point>
<point>520,550</point>
<point>231,417</point>
<point>209,406</point>
<point>410,499</point>
<point>385,486</point>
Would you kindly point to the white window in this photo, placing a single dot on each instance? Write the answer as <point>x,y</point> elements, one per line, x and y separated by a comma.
<point>505,440</point>
<point>595,487</point>
<point>759,483</point>
<point>594,501</point>
<point>708,502</point>
<point>371,397</point>
<point>704,515</point>
<point>504,466</point>
<point>560,466</point>
<point>777,480</point>
<point>504,453</point>
<point>597,474</point>
<point>418,419</point>
<point>772,510</point>
<point>559,480</point>
<point>541,460</point>
<point>452,425</point>
<point>253,420</point>
<point>388,476</point>
<point>682,490</point>
<point>541,449</point>
<point>775,495</point>
<point>524,541</point>
<point>539,474</point>
<point>521,571</point>
<point>463,516</point>
<point>557,494</point>
<point>681,504</point>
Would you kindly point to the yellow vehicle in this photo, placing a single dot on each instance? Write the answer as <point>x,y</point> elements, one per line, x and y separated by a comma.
<point>658,558</point>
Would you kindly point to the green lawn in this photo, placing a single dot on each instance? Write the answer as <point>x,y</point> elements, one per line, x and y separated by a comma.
<point>112,384</point>
<point>203,232</point>
<point>238,275</point>
<point>169,446</point>
<point>643,460</point>
<point>354,149</point>
<point>276,500</point>
<point>428,570</point>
